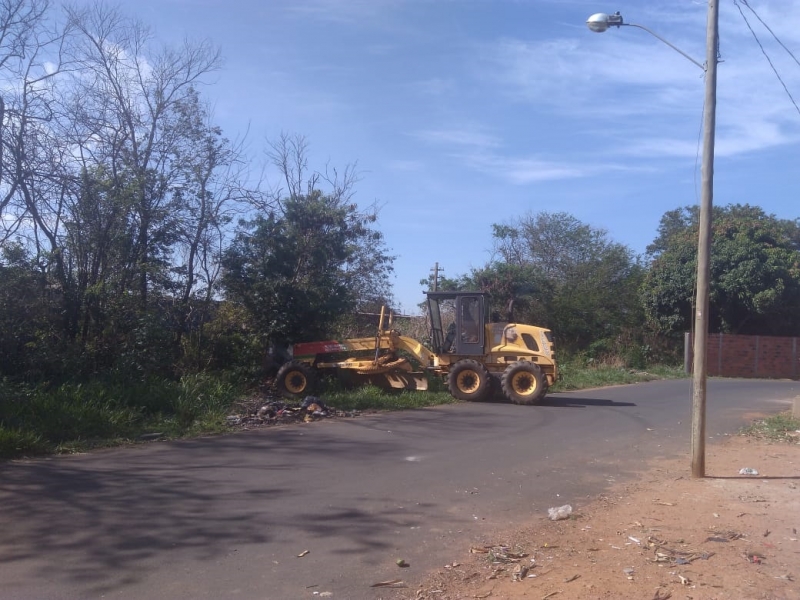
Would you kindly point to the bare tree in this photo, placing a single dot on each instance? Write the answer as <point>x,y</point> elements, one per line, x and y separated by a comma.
<point>32,183</point>
<point>30,59</point>
<point>128,98</point>
<point>289,154</point>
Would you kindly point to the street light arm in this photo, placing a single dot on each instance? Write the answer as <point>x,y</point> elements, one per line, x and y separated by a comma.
<point>600,22</point>
<point>658,37</point>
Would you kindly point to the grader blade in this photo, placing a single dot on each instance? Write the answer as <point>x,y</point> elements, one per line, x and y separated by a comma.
<point>408,380</point>
<point>396,380</point>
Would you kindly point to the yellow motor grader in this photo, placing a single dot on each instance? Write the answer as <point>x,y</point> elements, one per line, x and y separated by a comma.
<point>477,355</point>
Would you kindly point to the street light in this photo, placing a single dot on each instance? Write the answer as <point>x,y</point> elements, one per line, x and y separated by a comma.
<point>599,23</point>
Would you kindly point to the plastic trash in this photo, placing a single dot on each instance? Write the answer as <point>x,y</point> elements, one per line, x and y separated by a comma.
<point>560,512</point>
<point>747,471</point>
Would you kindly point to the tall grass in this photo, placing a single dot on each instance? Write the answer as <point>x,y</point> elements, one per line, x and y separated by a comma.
<point>576,374</point>
<point>18,442</point>
<point>74,416</point>
<point>369,397</point>
<point>202,402</point>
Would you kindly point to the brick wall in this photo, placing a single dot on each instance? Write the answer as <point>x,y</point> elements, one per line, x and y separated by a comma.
<point>757,356</point>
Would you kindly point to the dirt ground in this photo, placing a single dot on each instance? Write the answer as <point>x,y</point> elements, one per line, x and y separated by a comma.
<point>728,536</point>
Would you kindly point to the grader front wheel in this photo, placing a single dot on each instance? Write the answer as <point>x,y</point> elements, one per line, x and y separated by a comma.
<point>523,383</point>
<point>295,379</point>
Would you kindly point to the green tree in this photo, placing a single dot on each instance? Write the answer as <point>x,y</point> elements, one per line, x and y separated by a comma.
<point>584,284</point>
<point>518,291</point>
<point>97,241</point>
<point>23,325</point>
<point>298,270</point>
<point>755,272</point>
<point>209,192</point>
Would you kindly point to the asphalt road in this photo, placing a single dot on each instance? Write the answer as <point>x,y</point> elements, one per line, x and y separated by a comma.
<point>226,517</point>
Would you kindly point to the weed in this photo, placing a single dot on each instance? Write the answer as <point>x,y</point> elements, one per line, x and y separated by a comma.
<point>782,427</point>
<point>201,396</point>
<point>372,398</point>
<point>105,412</point>
<point>574,375</point>
<point>16,442</point>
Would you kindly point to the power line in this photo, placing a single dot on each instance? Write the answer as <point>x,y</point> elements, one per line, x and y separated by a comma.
<point>764,52</point>
<point>777,39</point>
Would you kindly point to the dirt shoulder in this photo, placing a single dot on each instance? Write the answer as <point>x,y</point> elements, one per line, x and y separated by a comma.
<point>665,536</point>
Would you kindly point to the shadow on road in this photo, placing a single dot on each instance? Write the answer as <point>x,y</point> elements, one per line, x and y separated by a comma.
<point>97,522</point>
<point>562,401</point>
<point>95,527</point>
<point>575,402</point>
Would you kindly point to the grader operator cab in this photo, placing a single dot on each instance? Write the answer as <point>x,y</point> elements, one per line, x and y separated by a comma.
<point>477,356</point>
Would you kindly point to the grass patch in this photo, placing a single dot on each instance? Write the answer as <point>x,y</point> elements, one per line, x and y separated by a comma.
<point>372,398</point>
<point>16,442</point>
<point>578,376</point>
<point>778,428</point>
<point>74,417</point>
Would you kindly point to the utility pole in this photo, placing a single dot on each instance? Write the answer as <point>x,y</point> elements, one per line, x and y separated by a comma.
<point>600,22</point>
<point>699,371</point>
<point>436,270</point>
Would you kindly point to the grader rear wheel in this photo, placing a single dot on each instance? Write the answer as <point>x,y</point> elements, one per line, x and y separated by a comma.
<point>523,383</point>
<point>296,379</point>
<point>469,380</point>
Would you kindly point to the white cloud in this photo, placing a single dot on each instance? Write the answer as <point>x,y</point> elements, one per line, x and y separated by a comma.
<point>459,137</point>
<point>341,11</point>
<point>625,80</point>
<point>405,165</point>
<point>521,171</point>
<point>662,147</point>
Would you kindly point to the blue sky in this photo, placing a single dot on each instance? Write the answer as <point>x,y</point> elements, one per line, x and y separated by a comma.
<point>464,113</point>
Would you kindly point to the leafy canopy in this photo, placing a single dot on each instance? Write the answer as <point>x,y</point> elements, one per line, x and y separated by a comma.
<point>755,272</point>
<point>561,273</point>
<point>298,270</point>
